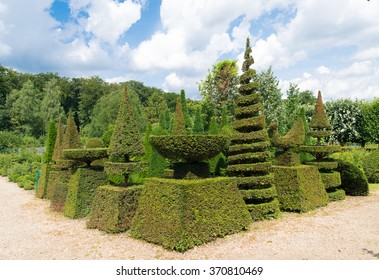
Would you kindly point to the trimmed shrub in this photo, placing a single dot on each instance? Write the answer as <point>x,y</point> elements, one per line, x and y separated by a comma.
<point>192,212</point>
<point>325,165</point>
<point>50,142</point>
<point>71,137</point>
<point>371,166</point>
<point>178,127</point>
<point>190,148</point>
<point>57,188</point>
<point>320,152</point>
<point>353,181</point>
<point>123,168</point>
<point>300,188</point>
<point>81,191</point>
<point>86,155</point>
<point>336,195</point>
<point>331,180</point>
<point>58,154</point>
<point>198,125</point>
<point>197,170</point>
<point>43,181</point>
<point>114,208</point>
<point>94,143</point>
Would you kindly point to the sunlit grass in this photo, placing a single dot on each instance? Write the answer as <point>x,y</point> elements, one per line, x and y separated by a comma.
<point>374,187</point>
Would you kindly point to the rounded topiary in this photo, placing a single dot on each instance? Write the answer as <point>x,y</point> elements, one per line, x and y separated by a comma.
<point>353,180</point>
<point>94,143</point>
<point>188,148</point>
<point>371,166</point>
<point>86,155</point>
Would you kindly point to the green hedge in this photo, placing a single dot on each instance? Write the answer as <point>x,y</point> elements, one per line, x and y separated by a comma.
<point>261,211</point>
<point>197,170</point>
<point>300,188</point>
<point>43,181</point>
<point>336,195</point>
<point>256,182</point>
<point>371,166</point>
<point>114,208</point>
<point>320,152</point>
<point>249,124</point>
<point>249,169</point>
<point>287,158</point>
<point>124,168</point>
<point>57,188</point>
<point>81,190</point>
<point>190,148</point>
<point>248,111</point>
<point>247,148</point>
<point>181,214</point>
<point>249,157</point>
<point>245,138</point>
<point>248,99</point>
<point>324,166</point>
<point>86,155</point>
<point>331,180</point>
<point>353,181</point>
<point>259,194</point>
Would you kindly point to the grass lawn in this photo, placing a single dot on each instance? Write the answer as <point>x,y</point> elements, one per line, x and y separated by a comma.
<point>374,187</point>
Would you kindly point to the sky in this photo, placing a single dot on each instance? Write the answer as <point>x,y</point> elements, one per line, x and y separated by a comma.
<point>327,45</point>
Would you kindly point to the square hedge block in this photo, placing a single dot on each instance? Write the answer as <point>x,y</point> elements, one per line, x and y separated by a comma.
<point>300,188</point>
<point>57,188</point>
<point>113,208</point>
<point>81,191</point>
<point>181,214</point>
<point>41,191</point>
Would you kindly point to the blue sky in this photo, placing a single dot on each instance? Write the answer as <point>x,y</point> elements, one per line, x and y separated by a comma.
<point>324,45</point>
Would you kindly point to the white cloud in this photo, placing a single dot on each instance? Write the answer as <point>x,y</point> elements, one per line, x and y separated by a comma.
<point>322,70</point>
<point>172,82</point>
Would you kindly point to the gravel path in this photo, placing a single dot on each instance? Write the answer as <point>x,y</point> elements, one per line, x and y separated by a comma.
<point>342,230</point>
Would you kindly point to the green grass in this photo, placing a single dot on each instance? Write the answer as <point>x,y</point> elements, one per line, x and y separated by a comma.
<point>374,187</point>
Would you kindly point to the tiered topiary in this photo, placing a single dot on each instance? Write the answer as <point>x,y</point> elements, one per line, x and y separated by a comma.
<point>63,168</point>
<point>113,206</point>
<point>319,128</point>
<point>248,154</point>
<point>299,187</point>
<point>191,209</point>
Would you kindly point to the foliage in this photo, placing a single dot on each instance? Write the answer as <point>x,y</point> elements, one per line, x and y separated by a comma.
<point>183,101</point>
<point>94,143</point>
<point>371,166</point>
<point>299,188</point>
<point>9,141</point>
<point>179,121</point>
<point>114,208</point>
<point>43,181</point>
<point>87,155</point>
<point>71,137</point>
<point>192,212</point>
<point>220,86</point>
<point>50,142</point>
<point>249,144</point>
<point>81,191</point>
<point>370,121</point>
<point>198,126</point>
<point>353,181</point>
<point>354,156</point>
<point>126,140</point>
<point>51,108</point>
<point>58,153</point>
<point>189,148</point>
<point>346,121</point>
<point>319,118</point>
<point>57,188</point>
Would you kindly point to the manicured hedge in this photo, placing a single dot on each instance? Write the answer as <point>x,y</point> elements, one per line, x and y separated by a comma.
<point>300,188</point>
<point>336,195</point>
<point>57,188</point>
<point>86,155</point>
<point>242,138</point>
<point>249,169</point>
<point>321,151</point>
<point>81,190</point>
<point>190,148</point>
<point>331,180</point>
<point>124,168</point>
<point>248,148</point>
<point>114,208</point>
<point>324,166</point>
<point>248,99</point>
<point>287,158</point>
<point>249,157</point>
<point>248,124</point>
<point>261,211</point>
<point>43,181</point>
<point>197,170</point>
<point>248,111</point>
<point>353,181</point>
<point>371,166</point>
<point>181,214</point>
<point>258,182</point>
<point>259,194</point>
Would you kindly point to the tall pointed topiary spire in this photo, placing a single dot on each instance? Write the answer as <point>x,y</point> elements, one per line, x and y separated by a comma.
<point>248,155</point>
<point>126,140</point>
<point>319,124</point>
<point>178,127</point>
<point>58,155</point>
<point>71,138</point>
<point>50,142</point>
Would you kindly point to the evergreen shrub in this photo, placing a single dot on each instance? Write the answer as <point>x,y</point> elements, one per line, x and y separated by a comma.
<point>94,143</point>
<point>353,181</point>
<point>181,214</point>
<point>114,208</point>
<point>300,188</point>
<point>371,166</point>
<point>43,181</point>
<point>81,191</point>
<point>86,155</point>
<point>57,188</point>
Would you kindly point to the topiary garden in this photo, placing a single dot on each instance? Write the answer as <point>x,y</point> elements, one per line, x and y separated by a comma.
<point>182,199</point>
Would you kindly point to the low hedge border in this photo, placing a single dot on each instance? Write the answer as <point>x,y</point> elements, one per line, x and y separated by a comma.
<point>262,211</point>
<point>336,195</point>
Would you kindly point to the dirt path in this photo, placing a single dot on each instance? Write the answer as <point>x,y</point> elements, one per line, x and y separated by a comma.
<point>347,229</point>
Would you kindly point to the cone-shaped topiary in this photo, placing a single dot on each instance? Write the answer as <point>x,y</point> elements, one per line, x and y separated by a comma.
<point>183,101</point>
<point>71,138</point>
<point>198,126</point>
<point>319,124</point>
<point>178,127</point>
<point>58,154</point>
<point>126,140</point>
<point>248,156</point>
<point>50,142</point>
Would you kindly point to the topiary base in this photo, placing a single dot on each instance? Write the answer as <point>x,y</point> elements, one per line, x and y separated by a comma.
<point>43,181</point>
<point>191,171</point>
<point>114,207</point>
<point>57,189</point>
<point>81,190</point>
<point>300,188</point>
<point>264,211</point>
<point>181,214</point>
<point>336,195</point>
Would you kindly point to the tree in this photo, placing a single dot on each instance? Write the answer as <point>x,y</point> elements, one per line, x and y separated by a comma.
<point>370,123</point>
<point>50,141</point>
<point>187,118</point>
<point>198,126</point>
<point>71,137</point>
<point>220,86</point>
<point>271,95</point>
<point>178,127</point>
<point>155,105</point>
<point>51,108</point>
<point>346,120</point>
<point>126,139</point>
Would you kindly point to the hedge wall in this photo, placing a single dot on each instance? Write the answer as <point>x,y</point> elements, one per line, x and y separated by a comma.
<point>181,214</point>
<point>57,188</point>
<point>43,181</point>
<point>114,208</point>
<point>299,188</point>
<point>81,190</point>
